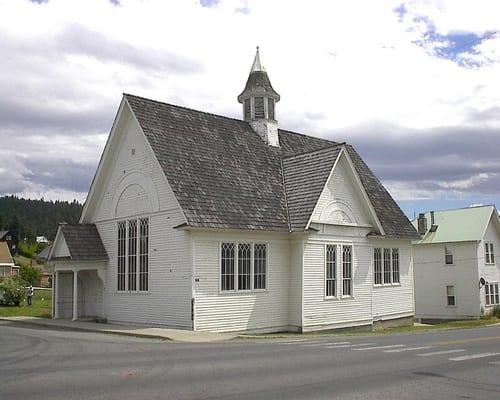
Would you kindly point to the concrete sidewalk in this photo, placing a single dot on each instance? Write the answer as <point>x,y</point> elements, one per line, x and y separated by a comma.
<point>128,330</point>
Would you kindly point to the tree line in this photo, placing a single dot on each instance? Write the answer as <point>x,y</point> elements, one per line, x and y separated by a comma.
<point>28,218</point>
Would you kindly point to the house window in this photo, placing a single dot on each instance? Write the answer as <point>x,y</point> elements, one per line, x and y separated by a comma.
<point>237,273</point>
<point>144,254</point>
<point>450,296</point>
<point>259,107</point>
<point>448,255</point>
<point>377,265</point>
<point>331,271</point>
<point>122,233</point>
<point>259,265</point>
<point>347,270</point>
<point>395,265</point>
<point>246,109</point>
<point>491,291</point>
<point>387,265</point>
<point>270,108</point>
<point>133,251</point>
<point>489,253</point>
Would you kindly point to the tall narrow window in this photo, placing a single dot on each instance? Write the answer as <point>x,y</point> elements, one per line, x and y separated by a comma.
<point>121,261</point>
<point>144,254</point>
<point>227,266</point>
<point>244,265</point>
<point>347,270</point>
<point>489,254</point>
<point>387,265</point>
<point>132,254</point>
<point>331,271</point>
<point>246,109</point>
<point>259,265</point>
<point>448,255</point>
<point>377,265</point>
<point>270,108</point>
<point>259,107</point>
<point>450,296</point>
<point>395,265</point>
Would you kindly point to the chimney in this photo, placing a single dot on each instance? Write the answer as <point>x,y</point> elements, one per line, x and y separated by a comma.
<point>422,224</point>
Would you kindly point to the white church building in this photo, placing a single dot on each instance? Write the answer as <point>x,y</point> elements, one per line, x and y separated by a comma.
<point>208,223</point>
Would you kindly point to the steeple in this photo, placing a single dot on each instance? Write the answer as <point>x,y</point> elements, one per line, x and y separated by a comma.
<point>259,99</point>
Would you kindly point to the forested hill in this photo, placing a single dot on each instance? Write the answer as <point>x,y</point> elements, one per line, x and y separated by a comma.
<point>29,218</point>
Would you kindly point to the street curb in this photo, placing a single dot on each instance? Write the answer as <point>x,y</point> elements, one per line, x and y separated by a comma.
<point>80,329</point>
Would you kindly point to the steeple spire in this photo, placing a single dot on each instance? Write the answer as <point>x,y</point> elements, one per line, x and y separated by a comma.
<point>259,99</point>
<point>257,66</point>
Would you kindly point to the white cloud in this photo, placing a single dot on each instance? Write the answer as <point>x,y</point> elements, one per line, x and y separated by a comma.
<point>335,64</point>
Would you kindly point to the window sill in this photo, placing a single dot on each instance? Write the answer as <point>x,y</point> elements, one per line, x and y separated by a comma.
<point>451,306</point>
<point>385,285</point>
<point>331,298</point>
<point>135,293</point>
<point>241,292</point>
<point>492,305</point>
<point>449,265</point>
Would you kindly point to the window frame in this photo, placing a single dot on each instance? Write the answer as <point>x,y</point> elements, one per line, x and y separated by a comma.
<point>489,253</point>
<point>235,290</point>
<point>490,295</point>
<point>447,296</point>
<point>351,268</point>
<point>335,279</point>
<point>137,255</point>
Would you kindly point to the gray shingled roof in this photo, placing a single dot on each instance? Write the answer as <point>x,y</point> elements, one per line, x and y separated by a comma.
<point>305,177</point>
<point>225,176</point>
<point>84,242</point>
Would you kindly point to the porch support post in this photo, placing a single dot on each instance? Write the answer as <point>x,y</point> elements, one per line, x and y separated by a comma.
<point>75,294</point>
<point>55,294</point>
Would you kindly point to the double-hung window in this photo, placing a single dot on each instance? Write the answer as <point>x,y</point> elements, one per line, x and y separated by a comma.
<point>243,266</point>
<point>133,255</point>
<point>448,255</point>
<point>489,253</point>
<point>386,266</point>
<point>450,296</point>
<point>491,292</point>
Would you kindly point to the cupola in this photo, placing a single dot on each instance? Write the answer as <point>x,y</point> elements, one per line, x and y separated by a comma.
<point>259,100</point>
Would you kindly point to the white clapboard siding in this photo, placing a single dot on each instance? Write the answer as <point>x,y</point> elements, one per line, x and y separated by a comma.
<point>168,301</point>
<point>344,191</point>
<point>394,300</point>
<point>295,291</point>
<point>222,311</point>
<point>432,276</point>
<point>321,312</point>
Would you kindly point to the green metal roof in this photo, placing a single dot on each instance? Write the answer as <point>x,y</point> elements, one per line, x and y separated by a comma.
<point>460,225</point>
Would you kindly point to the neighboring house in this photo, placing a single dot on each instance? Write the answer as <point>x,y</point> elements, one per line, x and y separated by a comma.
<point>204,222</point>
<point>42,239</point>
<point>456,265</point>
<point>7,266</point>
<point>11,240</point>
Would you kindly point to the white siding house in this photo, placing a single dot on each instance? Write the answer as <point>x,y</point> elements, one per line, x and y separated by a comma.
<point>456,272</point>
<point>203,222</point>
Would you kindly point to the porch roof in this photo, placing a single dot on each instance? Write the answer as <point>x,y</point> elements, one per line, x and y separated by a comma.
<point>83,243</point>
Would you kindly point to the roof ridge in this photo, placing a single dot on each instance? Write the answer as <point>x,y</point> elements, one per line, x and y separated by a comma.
<point>186,108</point>
<point>461,208</point>
<point>221,116</point>
<point>314,151</point>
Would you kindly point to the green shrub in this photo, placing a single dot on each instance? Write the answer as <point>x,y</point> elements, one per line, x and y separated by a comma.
<point>495,312</point>
<point>11,291</point>
<point>29,274</point>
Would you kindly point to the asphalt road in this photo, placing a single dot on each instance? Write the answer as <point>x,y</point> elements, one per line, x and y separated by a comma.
<point>38,363</point>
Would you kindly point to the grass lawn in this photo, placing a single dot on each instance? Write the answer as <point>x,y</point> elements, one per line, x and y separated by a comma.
<point>42,306</point>
<point>474,323</point>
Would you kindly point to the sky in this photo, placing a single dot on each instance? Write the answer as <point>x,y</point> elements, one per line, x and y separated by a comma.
<point>413,85</point>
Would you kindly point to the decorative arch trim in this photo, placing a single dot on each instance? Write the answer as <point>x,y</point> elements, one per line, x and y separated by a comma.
<point>339,213</point>
<point>141,180</point>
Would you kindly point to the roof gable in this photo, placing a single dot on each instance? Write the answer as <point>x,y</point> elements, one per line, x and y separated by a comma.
<point>5,256</point>
<point>80,242</point>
